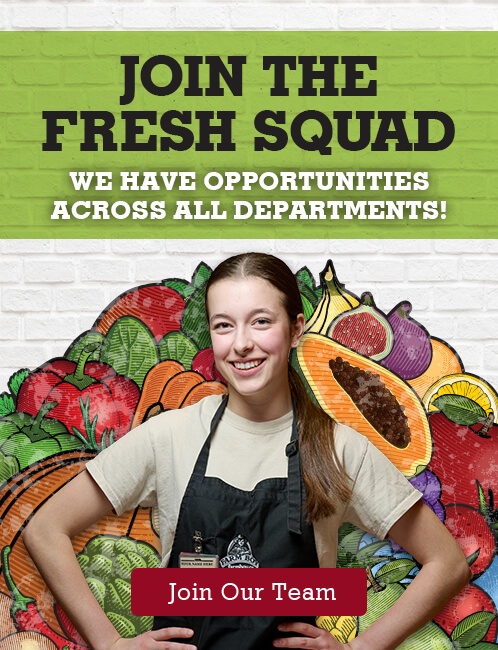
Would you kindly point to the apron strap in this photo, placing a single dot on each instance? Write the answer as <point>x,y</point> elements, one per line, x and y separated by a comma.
<point>294,482</point>
<point>202,460</point>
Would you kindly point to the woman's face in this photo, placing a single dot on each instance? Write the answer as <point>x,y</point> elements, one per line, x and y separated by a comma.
<point>252,335</point>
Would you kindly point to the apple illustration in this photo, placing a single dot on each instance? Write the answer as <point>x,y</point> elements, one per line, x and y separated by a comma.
<point>383,592</point>
<point>378,602</point>
<point>428,636</point>
<point>471,531</point>
<point>462,456</point>
<point>469,600</point>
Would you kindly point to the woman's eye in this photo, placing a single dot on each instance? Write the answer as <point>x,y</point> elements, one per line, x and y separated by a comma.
<point>221,326</point>
<point>263,321</point>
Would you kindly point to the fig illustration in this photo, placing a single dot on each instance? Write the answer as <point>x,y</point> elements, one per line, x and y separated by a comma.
<point>411,353</point>
<point>363,329</point>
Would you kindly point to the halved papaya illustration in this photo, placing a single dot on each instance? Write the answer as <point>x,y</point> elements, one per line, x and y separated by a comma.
<point>364,395</point>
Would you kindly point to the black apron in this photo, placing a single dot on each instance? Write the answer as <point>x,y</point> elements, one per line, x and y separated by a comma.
<point>263,528</point>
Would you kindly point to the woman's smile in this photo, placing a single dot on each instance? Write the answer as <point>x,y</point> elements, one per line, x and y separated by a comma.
<point>247,365</point>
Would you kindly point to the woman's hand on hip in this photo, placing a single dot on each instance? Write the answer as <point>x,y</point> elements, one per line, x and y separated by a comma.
<point>157,640</point>
<point>312,637</point>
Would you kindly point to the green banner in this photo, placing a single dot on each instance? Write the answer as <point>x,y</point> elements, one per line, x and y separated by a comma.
<point>248,135</point>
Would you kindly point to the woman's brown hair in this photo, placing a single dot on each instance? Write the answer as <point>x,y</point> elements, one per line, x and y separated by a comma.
<point>324,477</point>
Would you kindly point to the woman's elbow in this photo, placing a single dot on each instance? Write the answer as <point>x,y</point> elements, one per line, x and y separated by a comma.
<point>33,534</point>
<point>464,573</point>
<point>458,567</point>
<point>40,532</point>
<point>79,504</point>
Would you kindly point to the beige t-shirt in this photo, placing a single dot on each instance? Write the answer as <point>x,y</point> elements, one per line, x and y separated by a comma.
<point>152,464</point>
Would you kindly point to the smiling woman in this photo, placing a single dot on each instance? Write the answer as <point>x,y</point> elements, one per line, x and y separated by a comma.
<point>260,478</point>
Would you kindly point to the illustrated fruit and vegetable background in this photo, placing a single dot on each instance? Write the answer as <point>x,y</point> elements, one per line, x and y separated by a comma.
<point>380,372</point>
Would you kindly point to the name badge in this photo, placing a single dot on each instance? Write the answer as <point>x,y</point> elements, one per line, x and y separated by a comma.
<point>198,561</point>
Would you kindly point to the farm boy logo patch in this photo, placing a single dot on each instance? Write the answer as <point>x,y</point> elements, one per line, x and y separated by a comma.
<point>239,555</point>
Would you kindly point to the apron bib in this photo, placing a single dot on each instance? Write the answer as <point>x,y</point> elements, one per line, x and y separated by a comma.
<point>264,527</point>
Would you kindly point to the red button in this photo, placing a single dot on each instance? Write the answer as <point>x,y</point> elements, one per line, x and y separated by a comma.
<point>260,592</point>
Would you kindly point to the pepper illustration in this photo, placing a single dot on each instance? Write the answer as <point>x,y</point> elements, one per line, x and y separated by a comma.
<point>26,615</point>
<point>30,439</point>
<point>92,400</point>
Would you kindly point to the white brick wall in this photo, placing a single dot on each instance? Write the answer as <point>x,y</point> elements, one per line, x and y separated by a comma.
<point>247,14</point>
<point>51,291</point>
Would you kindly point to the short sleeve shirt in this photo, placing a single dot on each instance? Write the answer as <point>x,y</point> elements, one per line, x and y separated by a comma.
<point>152,464</point>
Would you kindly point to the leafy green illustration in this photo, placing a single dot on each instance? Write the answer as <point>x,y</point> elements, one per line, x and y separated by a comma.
<point>194,319</point>
<point>107,563</point>
<point>179,347</point>
<point>201,275</point>
<point>472,629</point>
<point>184,288</point>
<point>460,410</point>
<point>130,349</point>
<point>7,404</point>
<point>395,570</point>
<point>16,380</point>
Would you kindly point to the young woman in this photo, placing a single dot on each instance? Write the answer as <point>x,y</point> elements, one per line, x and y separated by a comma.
<point>260,478</point>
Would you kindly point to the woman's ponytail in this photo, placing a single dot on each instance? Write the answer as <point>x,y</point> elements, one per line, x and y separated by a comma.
<point>325,480</point>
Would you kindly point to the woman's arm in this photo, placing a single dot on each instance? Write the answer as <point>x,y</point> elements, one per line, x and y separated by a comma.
<point>444,572</point>
<point>48,539</point>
